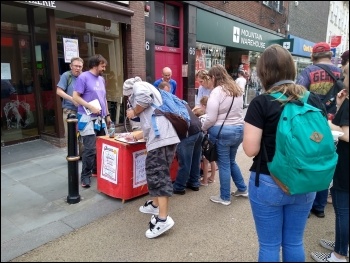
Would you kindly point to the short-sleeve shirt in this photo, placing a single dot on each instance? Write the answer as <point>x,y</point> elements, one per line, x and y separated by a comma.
<point>91,87</point>
<point>317,80</point>
<point>241,82</point>
<point>62,84</point>
<point>201,93</point>
<point>341,174</point>
<point>264,113</point>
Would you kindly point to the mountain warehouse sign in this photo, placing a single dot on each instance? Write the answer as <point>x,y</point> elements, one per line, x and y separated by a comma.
<point>246,37</point>
<point>215,29</point>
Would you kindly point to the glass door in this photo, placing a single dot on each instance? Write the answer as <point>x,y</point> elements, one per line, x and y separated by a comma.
<point>18,106</point>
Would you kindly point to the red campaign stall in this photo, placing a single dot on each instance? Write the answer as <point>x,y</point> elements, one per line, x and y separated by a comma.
<point>121,168</point>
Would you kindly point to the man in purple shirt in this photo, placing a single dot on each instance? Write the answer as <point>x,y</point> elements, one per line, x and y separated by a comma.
<point>90,86</point>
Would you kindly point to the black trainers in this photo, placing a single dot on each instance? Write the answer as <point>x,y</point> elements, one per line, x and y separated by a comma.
<point>193,188</point>
<point>179,192</point>
<point>317,213</point>
<point>85,182</point>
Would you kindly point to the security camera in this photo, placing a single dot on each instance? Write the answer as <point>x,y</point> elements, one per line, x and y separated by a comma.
<point>296,3</point>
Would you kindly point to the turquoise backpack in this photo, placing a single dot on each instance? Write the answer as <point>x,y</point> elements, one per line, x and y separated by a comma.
<point>305,157</point>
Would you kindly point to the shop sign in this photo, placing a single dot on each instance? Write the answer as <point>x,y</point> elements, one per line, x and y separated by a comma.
<point>301,47</point>
<point>335,41</point>
<point>215,29</point>
<point>185,70</point>
<point>286,43</point>
<point>46,4</point>
<point>70,48</point>
<point>123,2</point>
<point>334,51</point>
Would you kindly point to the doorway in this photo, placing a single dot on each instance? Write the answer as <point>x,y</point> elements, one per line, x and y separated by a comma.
<point>18,105</point>
<point>108,48</point>
<point>173,61</point>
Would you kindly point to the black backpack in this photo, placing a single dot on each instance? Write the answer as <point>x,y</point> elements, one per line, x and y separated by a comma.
<point>330,98</point>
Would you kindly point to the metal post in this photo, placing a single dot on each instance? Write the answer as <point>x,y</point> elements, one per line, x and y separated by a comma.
<point>73,159</point>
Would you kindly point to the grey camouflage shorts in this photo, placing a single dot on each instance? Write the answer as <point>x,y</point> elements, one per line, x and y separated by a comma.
<point>158,162</point>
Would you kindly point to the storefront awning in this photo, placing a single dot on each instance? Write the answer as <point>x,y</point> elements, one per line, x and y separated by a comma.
<point>95,9</point>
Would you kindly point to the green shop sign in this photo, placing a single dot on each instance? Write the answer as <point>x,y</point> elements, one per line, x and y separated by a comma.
<point>219,30</point>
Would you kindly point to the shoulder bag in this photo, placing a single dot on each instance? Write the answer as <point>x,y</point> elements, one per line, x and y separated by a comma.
<point>208,148</point>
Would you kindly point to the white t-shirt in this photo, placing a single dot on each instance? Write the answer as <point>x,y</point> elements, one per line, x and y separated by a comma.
<point>241,81</point>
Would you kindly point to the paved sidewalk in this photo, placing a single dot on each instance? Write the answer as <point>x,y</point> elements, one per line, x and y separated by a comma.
<point>34,190</point>
<point>38,225</point>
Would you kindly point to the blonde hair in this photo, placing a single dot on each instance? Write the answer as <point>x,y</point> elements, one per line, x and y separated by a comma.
<point>204,100</point>
<point>223,79</point>
<point>202,74</point>
<point>198,112</point>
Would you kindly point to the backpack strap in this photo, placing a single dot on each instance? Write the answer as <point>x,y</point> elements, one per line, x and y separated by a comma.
<point>330,73</point>
<point>69,80</point>
<point>263,151</point>
<point>217,136</point>
<point>258,163</point>
<point>280,95</point>
<point>326,68</point>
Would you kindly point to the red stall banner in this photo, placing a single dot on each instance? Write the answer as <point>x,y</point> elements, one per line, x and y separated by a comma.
<point>335,41</point>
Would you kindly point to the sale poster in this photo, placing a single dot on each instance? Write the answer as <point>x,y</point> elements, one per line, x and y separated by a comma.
<point>70,49</point>
<point>109,163</point>
<point>139,168</point>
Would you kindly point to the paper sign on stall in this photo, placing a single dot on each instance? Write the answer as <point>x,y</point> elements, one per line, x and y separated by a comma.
<point>109,163</point>
<point>139,168</point>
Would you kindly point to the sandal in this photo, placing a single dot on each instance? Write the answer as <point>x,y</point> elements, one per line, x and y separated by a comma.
<point>211,181</point>
<point>203,184</point>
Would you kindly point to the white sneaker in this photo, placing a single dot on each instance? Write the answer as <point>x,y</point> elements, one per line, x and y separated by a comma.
<point>217,199</point>
<point>240,193</point>
<point>325,257</point>
<point>148,208</point>
<point>328,244</point>
<point>157,228</point>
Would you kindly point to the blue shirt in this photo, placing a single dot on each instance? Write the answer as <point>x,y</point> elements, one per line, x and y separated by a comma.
<point>201,93</point>
<point>171,82</point>
<point>63,84</point>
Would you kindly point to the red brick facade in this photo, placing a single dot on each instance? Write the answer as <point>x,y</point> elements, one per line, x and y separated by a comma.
<point>254,12</point>
<point>135,62</point>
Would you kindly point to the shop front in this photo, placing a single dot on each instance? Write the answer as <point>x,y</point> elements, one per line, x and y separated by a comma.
<point>230,43</point>
<point>38,38</point>
<point>301,52</point>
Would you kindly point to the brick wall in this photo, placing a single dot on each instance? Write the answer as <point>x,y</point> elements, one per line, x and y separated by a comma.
<point>254,12</point>
<point>134,43</point>
<point>309,20</point>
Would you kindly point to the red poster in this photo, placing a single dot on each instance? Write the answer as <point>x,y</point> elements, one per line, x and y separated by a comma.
<point>335,41</point>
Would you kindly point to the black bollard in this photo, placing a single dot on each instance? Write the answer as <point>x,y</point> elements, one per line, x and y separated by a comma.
<point>73,159</point>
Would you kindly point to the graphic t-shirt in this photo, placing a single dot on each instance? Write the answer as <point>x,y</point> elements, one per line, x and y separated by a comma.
<point>91,87</point>
<point>317,80</point>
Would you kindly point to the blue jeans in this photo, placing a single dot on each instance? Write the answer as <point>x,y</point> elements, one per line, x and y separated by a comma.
<point>189,153</point>
<point>340,200</point>
<point>320,200</point>
<point>230,138</point>
<point>280,220</point>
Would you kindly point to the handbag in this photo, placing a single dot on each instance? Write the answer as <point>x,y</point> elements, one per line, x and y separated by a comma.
<point>208,148</point>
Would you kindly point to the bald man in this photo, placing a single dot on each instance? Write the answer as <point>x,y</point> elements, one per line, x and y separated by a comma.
<point>167,78</point>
